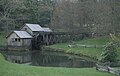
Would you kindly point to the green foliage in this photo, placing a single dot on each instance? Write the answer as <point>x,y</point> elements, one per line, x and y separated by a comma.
<point>39,11</point>
<point>11,69</point>
<point>2,40</point>
<point>116,38</point>
<point>109,54</point>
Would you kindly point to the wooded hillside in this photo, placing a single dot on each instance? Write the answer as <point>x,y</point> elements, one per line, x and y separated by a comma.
<point>98,16</point>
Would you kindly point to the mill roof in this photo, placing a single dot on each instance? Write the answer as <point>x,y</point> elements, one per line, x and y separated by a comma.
<point>35,27</point>
<point>22,34</point>
<point>47,29</point>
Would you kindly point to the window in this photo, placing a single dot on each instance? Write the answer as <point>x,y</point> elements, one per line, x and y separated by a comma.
<point>15,39</point>
<point>19,40</point>
<point>25,28</point>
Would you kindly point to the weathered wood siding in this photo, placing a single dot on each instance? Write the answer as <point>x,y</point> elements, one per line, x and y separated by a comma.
<point>12,42</point>
<point>27,29</point>
<point>26,42</point>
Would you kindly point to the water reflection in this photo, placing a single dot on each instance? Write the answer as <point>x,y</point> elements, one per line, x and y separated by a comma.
<point>58,59</point>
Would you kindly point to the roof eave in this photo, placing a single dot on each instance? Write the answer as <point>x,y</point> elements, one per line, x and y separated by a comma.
<point>24,38</point>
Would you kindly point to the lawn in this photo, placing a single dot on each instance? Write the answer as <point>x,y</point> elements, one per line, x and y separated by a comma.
<point>12,69</point>
<point>95,41</point>
<point>91,52</point>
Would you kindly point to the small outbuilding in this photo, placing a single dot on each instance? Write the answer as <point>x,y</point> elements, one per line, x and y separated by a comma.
<point>19,40</point>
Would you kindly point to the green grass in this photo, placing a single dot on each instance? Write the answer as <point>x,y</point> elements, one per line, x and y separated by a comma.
<point>91,52</point>
<point>95,41</point>
<point>2,40</point>
<point>12,69</point>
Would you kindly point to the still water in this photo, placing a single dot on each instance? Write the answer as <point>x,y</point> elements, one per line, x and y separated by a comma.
<point>59,59</point>
<point>49,59</point>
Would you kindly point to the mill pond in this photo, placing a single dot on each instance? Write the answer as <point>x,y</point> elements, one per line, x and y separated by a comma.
<point>49,59</point>
<point>59,59</point>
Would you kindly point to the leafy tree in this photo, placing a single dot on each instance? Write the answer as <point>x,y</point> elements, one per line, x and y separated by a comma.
<point>109,54</point>
<point>8,14</point>
<point>39,11</point>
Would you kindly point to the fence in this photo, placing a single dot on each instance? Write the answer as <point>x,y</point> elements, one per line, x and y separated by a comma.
<point>87,46</point>
<point>107,69</point>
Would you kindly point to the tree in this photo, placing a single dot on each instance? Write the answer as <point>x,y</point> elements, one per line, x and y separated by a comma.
<point>87,16</point>
<point>67,16</point>
<point>7,9</point>
<point>39,11</point>
<point>115,15</point>
<point>109,54</point>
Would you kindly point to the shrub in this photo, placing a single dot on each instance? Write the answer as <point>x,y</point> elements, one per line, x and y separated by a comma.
<point>109,54</point>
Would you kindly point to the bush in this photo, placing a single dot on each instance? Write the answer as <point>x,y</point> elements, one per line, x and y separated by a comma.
<point>109,54</point>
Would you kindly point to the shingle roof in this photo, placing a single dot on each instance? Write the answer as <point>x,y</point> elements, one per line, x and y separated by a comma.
<point>47,29</point>
<point>35,27</point>
<point>23,34</point>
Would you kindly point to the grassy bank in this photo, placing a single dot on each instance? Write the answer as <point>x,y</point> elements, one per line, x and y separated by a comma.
<point>95,41</point>
<point>91,52</point>
<point>11,69</point>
